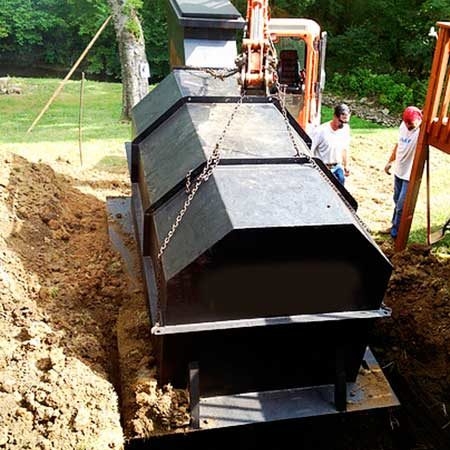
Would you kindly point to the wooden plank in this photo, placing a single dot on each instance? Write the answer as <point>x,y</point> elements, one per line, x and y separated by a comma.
<point>441,109</point>
<point>446,97</point>
<point>443,25</point>
<point>437,77</point>
<point>441,145</point>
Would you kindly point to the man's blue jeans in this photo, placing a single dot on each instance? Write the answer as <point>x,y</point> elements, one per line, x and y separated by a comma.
<point>400,189</point>
<point>338,172</point>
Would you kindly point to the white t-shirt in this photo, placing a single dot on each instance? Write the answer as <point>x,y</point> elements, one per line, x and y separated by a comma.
<point>328,144</point>
<point>406,148</point>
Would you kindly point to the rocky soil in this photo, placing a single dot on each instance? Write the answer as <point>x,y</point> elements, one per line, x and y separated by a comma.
<point>365,109</point>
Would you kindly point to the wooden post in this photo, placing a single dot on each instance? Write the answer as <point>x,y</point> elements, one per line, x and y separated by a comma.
<point>80,121</point>
<point>428,162</point>
<point>72,70</point>
<point>433,131</point>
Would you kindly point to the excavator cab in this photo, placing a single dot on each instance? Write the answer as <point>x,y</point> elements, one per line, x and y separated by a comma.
<point>301,60</point>
<point>290,72</point>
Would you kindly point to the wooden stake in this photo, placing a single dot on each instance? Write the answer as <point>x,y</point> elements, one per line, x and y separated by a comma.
<point>80,121</point>
<point>72,70</point>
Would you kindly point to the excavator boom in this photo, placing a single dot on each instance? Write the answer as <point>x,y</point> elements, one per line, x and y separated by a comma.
<point>258,70</point>
<point>300,75</point>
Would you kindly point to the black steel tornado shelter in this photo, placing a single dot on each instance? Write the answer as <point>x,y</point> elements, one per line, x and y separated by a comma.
<point>263,300</point>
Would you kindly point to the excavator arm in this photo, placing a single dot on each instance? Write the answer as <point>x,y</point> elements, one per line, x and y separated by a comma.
<point>261,67</point>
<point>259,61</point>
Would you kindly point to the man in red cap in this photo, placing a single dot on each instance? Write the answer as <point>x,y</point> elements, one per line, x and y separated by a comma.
<point>403,156</point>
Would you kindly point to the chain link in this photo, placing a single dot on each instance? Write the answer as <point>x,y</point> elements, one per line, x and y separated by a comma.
<point>212,162</point>
<point>281,89</point>
<point>192,188</point>
<point>219,74</point>
<point>187,188</point>
<point>282,98</point>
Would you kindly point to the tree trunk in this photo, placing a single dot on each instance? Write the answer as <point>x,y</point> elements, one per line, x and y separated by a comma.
<point>133,61</point>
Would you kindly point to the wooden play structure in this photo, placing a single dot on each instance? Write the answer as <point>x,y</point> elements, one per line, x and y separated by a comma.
<point>435,130</point>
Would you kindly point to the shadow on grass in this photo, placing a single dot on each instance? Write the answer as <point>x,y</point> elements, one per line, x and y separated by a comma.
<point>420,236</point>
<point>14,132</point>
<point>112,164</point>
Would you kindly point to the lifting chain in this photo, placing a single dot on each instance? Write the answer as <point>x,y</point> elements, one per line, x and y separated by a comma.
<point>281,89</point>
<point>219,74</point>
<point>281,96</point>
<point>211,163</point>
<point>192,187</point>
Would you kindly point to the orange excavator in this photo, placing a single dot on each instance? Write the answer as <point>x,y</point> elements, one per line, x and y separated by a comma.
<point>286,54</point>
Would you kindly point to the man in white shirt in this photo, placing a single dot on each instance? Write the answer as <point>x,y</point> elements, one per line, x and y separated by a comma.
<point>331,142</point>
<point>403,156</point>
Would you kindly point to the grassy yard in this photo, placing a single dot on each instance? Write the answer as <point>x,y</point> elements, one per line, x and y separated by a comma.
<point>56,135</point>
<point>377,142</point>
<point>56,138</point>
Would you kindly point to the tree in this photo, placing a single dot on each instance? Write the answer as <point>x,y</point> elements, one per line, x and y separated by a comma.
<point>154,22</point>
<point>86,17</point>
<point>133,60</point>
<point>25,27</point>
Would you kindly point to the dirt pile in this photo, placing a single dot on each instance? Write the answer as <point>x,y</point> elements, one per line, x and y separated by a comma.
<point>418,333</point>
<point>61,288</point>
<point>64,300</point>
<point>148,409</point>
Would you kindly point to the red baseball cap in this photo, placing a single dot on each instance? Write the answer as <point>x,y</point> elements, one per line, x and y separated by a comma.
<point>411,113</point>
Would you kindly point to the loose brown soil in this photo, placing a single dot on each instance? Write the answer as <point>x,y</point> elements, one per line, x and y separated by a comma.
<point>419,331</point>
<point>64,300</point>
<point>147,408</point>
<point>61,290</point>
<point>68,308</point>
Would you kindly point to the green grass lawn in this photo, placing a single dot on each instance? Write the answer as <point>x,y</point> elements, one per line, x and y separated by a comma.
<point>56,136</point>
<point>102,107</point>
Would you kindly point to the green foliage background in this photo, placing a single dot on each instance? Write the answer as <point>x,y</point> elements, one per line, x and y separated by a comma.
<point>55,32</point>
<point>376,48</point>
